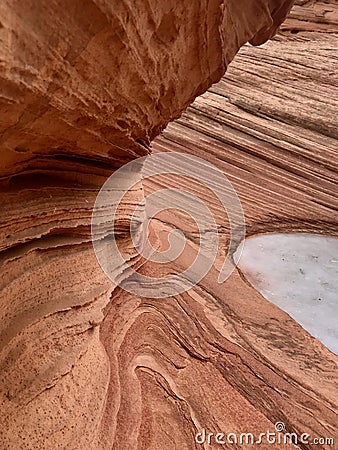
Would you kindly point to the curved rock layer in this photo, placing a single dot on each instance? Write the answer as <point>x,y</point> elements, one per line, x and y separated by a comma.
<point>105,78</point>
<point>271,126</point>
<point>84,364</point>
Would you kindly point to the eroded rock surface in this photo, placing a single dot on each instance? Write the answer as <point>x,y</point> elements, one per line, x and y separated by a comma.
<point>313,15</point>
<point>85,87</point>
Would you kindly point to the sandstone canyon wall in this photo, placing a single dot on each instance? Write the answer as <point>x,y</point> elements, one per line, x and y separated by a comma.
<point>86,86</point>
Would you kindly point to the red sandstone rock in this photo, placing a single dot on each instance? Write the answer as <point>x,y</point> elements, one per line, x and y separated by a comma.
<point>310,15</point>
<point>85,87</point>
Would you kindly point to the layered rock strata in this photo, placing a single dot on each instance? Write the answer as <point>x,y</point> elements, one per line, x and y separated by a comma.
<point>85,87</point>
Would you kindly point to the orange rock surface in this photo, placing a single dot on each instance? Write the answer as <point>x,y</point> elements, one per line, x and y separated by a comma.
<point>86,86</point>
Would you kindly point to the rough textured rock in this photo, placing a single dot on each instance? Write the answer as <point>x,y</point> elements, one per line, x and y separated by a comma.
<point>281,144</point>
<point>313,15</point>
<point>271,126</point>
<point>84,364</point>
<point>106,77</point>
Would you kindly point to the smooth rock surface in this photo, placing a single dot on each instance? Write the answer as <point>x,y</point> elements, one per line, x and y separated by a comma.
<point>299,273</point>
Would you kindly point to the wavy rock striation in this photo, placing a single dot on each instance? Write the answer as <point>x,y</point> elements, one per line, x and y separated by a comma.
<point>84,364</point>
<point>270,126</point>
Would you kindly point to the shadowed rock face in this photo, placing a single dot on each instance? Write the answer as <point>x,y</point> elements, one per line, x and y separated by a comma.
<point>85,87</point>
<point>106,77</point>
